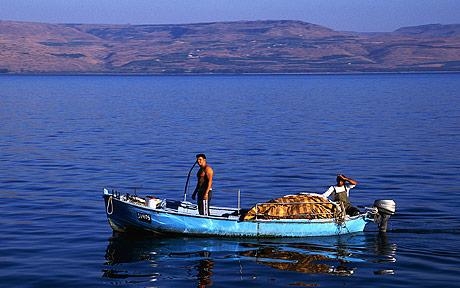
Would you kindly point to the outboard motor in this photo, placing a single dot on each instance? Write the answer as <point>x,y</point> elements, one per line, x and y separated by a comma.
<point>385,208</point>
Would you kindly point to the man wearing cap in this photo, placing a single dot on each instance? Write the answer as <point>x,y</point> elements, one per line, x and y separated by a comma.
<point>203,185</point>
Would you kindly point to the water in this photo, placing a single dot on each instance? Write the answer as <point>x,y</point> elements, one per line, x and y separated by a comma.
<point>65,138</point>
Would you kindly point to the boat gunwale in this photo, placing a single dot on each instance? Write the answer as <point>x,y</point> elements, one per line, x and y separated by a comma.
<point>235,218</point>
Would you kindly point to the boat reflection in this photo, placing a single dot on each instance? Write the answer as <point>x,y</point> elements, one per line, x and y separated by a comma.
<point>154,258</point>
<point>298,261</point>
<point>204,268</point>
<point>319,255</point>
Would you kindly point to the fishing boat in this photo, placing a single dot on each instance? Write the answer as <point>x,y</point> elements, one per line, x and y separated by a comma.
<point>132,213</point>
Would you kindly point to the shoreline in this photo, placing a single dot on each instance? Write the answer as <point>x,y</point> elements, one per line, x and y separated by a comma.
<point>233,74</point>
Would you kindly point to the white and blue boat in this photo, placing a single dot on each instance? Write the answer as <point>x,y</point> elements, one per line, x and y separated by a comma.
<point>131,213</point>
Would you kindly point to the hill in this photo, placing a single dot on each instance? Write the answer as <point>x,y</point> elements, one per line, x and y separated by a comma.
<point>223,47</point>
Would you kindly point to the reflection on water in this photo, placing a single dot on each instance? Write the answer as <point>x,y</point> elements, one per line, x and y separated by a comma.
<point>205,270</point>
<point>385,252</point>
<point>152,259</point>
<point>294,261</point>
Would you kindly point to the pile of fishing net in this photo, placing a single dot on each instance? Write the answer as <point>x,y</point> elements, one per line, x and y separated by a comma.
<point>300,206</point>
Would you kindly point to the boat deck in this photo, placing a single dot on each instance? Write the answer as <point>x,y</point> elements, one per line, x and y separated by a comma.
<point>192,209</point>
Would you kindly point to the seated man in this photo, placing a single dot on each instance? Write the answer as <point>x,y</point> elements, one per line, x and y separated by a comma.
<point>340,193</point>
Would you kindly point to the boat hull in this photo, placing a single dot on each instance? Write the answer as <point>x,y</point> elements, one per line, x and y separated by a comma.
<point>124,216</point>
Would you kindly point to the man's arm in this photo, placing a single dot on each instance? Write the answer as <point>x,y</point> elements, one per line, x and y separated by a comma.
<point>349,180</point>
<point>196,191</point>
<point>328,192</point>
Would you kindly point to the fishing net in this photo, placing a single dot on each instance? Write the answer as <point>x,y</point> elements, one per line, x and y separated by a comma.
<point>300,206</point>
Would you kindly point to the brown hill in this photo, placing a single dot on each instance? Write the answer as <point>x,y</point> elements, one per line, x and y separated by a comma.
<point>223,47</point>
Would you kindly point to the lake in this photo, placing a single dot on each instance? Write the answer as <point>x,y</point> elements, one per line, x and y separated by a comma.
<point>65,138</point>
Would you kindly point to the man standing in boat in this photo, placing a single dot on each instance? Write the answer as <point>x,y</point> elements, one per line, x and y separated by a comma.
<point>341,192</point>
<point>203,185</point>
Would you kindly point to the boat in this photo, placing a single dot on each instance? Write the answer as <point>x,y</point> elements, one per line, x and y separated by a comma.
<point>132,214</point>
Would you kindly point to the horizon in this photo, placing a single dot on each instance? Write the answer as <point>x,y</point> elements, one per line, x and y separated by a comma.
<point>352,15</point>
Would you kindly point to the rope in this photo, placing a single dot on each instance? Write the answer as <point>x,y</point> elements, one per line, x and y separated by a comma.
<point>340,219</point>
<point>109,208</point>
<point>340,213</point>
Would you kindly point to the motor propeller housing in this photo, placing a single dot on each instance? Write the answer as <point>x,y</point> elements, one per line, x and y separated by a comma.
<point>385,208</point>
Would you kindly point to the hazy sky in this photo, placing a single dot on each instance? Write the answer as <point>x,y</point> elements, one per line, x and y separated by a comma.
<point>351,15</point>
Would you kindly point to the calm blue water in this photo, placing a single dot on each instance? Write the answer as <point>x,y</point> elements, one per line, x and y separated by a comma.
<point>65,138</point>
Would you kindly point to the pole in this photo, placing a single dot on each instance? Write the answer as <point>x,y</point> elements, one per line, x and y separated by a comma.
<point>186,182</point>
<point>239,201</point>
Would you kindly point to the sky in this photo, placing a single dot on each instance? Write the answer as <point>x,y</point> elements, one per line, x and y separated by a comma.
<point>342,15</point>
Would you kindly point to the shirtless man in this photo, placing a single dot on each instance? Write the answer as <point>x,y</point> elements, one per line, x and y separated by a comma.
<point>203,185</point>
